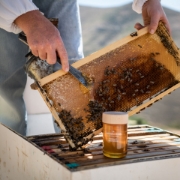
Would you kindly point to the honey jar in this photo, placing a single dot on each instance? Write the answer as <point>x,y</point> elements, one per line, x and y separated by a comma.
<point>115,134</point>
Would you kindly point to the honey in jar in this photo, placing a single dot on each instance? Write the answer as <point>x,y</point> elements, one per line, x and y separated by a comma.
<point>115,134</point>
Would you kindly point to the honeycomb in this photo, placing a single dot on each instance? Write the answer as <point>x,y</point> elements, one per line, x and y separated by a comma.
<point>121,77</point>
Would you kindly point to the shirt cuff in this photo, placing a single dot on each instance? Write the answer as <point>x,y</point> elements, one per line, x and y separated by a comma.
<point>10,10</point>
<point>137,5</point>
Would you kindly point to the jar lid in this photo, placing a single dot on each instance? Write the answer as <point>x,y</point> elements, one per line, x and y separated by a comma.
<point>115,117</point>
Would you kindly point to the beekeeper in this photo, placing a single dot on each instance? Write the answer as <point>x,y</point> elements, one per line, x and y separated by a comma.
<point>45,41</point>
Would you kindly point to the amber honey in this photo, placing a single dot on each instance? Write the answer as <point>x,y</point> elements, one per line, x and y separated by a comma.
<point>115,134</point>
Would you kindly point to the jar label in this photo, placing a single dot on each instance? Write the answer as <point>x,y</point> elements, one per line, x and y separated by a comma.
<point>113,136</point>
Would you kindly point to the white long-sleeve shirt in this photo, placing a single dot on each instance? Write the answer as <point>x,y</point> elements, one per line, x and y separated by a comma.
<point>137,5</point>
<point>11,9</point>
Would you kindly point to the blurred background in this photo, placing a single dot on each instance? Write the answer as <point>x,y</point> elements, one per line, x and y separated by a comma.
<point>104,22</point>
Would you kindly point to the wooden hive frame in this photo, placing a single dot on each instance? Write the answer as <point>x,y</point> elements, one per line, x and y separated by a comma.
<point>61,91</point>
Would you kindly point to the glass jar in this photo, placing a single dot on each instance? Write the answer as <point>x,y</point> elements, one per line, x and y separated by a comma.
<point>115,134</point>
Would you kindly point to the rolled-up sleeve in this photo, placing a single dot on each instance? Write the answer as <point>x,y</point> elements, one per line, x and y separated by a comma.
<point>10,10</point>
<point>137,5</point>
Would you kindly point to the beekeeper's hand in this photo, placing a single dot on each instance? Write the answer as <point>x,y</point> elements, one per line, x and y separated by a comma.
<point>152,13</point>
<point>43,38</point>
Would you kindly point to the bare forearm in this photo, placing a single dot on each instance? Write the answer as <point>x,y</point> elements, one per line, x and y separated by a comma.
<point>10,10</point>
<point>32,18</point>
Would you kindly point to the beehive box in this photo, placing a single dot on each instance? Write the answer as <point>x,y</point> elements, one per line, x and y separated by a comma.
<point>129,75</point>
<point>153,153</point>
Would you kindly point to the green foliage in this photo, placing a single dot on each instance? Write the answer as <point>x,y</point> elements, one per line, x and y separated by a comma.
<point>175,124</point>
<point>137,120</point>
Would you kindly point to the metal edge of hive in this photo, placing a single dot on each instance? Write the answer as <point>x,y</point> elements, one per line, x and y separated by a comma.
<point>130,161</point>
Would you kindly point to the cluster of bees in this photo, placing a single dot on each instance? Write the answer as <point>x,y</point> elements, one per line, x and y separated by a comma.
<point>123,88</point>
<point>168,45</point>
<point>37,68</point>
<point>95,110</point>
<point>75,126</point>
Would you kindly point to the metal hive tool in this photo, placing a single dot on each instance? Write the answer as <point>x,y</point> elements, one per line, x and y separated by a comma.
<point>129,75</point>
